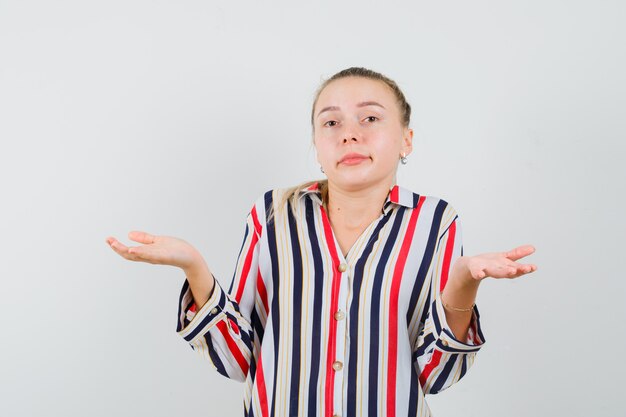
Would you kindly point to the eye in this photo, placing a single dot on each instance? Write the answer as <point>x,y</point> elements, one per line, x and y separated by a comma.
<point>330,123</point>
<point>371,118</point>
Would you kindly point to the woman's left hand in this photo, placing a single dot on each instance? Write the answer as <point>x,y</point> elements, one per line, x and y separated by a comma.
<point>500,264</point>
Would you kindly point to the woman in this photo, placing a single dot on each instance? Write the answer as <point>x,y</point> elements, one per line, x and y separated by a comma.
<point>351,295</point>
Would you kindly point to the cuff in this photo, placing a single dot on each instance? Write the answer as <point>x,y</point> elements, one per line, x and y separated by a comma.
<point>446,341</point>
<point>193,323</point>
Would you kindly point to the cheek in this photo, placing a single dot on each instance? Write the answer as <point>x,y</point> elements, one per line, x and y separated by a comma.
<point>323,149</point>
<point>385,146</point>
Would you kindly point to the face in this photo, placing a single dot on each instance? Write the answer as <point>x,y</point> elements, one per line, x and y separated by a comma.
<point>359,136</point>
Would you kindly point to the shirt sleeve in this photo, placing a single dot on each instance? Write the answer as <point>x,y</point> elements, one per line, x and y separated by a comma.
<point>223,330</point>
<point>440,358</point>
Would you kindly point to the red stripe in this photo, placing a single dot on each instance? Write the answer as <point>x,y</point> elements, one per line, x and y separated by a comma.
<point>255,219</point>
<point>260,386</point>
<point>447,256</point>
<point>260,285</point>
<point>393,310</point>
<point>334,299</point>
<point>232,346</point>
<point>474,332</point>
<point>246,268</point>
<point>234,326</point>
<point>395,193</point>
<point>432,364</point>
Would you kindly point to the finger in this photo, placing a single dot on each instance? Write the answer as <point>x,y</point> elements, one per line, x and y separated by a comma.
<point>142,237</point>
<point>523,270</point>
<point>117,245</point>
<point>138,254</point>
<point>131,253</point>
<point>528,268</point>
<point>500,271</point>
<point>120,248</point>
<point>520,252</point>
<point>478,273</point>
<point>139,251</point>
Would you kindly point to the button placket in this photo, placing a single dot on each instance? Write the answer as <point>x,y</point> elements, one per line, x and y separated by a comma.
<point>339,315</point>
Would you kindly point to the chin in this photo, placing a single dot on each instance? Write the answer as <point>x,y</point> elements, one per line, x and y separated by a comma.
<point>354,182</point>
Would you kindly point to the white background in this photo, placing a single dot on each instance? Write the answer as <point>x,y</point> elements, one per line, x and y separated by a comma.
<point>173,117</point>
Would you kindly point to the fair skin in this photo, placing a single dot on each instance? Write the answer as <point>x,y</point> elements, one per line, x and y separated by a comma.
<point>359,138</point>
<point>358,116</point>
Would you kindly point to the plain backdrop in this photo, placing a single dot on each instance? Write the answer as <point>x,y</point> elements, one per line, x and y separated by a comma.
<point>173,117</point>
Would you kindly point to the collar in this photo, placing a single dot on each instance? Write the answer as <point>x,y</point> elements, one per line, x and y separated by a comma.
<point>397,196</point>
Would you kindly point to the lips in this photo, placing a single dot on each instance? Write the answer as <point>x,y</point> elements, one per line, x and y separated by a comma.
<point>353,159</point>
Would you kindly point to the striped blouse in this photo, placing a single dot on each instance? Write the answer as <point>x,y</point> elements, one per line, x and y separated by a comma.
<point>312,332</point>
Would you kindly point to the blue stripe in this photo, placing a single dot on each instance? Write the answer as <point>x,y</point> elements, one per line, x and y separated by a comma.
<point>215,357</point>
<point>271,243</point>
<point>207,319</point>
<point>375,336</point>
<point>421,350</point>
<point>179,324</point>
<point>354,312</point>
<point>445,373</point>
<point>427,258</point>
<point>316,333</point>
<point>297,314</point>
<point>245,236</point>
<point>413,392</point>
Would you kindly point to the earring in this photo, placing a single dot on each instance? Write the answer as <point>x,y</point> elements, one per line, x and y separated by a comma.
<point>321,169</point>
<point>403,159</point>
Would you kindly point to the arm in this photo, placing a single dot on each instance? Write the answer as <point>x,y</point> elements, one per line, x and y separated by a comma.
<point>450,340</point>
<point>201,282</point>
<point>441,359</point>
<point>223,328</point>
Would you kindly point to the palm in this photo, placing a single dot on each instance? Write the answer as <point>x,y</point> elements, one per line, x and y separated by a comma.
<point>165,250</point>
<point>501,264</point>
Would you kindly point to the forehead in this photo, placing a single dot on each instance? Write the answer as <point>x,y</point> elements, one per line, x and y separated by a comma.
<point>352,90</point>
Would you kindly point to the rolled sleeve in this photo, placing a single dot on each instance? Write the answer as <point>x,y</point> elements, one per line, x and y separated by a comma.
<point>192,324</point>
<point>445,339</point>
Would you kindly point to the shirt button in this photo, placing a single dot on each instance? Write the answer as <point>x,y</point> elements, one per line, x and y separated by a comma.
<point>444,342</point>
<point>214,310</point>
<point>343,267</point>
<point>337,366</point>
<point>339,315</point>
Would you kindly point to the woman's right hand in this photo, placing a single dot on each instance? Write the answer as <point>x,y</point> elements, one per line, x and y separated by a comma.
<point>164,250</point>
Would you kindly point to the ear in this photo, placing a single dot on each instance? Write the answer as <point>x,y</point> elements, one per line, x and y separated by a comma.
<point>407,141</point>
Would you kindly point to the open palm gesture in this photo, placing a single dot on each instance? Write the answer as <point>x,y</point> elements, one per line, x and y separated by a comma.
<point>164,250</point>
<point>501,264</point>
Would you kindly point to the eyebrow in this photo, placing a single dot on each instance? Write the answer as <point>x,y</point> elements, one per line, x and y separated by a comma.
<point>361,104</point>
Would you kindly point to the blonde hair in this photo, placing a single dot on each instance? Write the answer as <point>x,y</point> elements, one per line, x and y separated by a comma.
<point>291,194</point>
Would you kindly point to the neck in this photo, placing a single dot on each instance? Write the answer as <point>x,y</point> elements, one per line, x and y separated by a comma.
<point>354,209</point>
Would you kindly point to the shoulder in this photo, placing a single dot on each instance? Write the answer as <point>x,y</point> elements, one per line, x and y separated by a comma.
<point>439,210</point>
<point>264,201</point>
<point>272,203</point>
<point>409,198</point>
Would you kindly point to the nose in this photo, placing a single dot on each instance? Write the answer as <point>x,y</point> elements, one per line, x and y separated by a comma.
<point>351,134</point>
